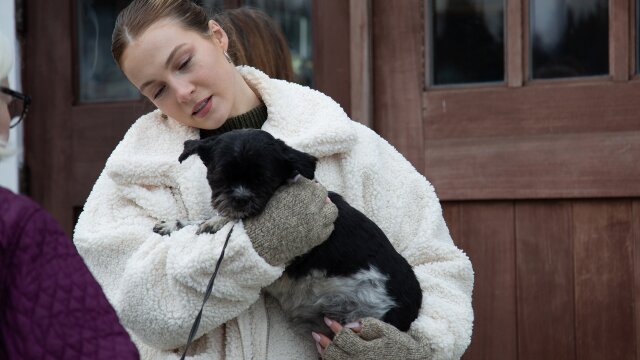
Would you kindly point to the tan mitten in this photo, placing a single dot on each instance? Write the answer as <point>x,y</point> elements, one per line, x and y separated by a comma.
<point>297,218</point>
<point>376,340</point>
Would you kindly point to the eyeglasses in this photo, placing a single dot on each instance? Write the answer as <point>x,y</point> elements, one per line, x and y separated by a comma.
<point>19,107</point>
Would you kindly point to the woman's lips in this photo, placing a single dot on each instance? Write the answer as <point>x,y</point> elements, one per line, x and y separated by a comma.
<point>204,110</point>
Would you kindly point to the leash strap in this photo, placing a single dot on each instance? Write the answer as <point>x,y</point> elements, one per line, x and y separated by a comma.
<point>196,323</point>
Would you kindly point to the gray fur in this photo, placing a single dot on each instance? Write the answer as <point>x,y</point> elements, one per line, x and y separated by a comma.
<point>342,298</point>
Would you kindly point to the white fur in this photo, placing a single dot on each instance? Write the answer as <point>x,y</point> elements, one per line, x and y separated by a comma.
<point>6,57</point>
<point>5,150</point>
<point>156,283</point>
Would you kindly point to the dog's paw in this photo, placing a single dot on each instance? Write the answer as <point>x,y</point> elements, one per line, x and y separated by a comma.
<point>167,227</point>
<point>212,225</point>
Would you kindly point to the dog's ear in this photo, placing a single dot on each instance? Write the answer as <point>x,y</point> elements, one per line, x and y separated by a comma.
<point>301,162</point>
<point>190,147</point>
<point>204,149</point>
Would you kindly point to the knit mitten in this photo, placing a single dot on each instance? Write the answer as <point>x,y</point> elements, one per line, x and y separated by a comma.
<point>297,218</point>
<point>376,340</point>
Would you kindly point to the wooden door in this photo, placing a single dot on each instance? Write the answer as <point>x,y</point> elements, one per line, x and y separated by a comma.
<point>539,177</point>
<point>80,109</point>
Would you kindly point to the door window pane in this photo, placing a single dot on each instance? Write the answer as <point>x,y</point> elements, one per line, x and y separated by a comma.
<point>99,77</point>
<point>569,38</point>
<point>467,41</point>
<point>212,6</point>
<point>294,16</point>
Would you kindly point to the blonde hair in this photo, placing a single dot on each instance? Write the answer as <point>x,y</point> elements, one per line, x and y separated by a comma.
<point>141,14</point>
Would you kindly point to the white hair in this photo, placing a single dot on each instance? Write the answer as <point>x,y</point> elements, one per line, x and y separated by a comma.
<point>6,56</point>
<point>5,150</point>
<point>6,62</point>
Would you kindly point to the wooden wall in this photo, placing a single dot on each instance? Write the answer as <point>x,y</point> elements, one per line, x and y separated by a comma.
<point>554,279</point>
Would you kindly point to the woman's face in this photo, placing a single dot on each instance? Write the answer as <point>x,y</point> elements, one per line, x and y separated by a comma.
<point>5,119</point>
<point>186,74</point>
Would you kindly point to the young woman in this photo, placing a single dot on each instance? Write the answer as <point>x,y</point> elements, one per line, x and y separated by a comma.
<point>178,58</point>
<point>50,304</point>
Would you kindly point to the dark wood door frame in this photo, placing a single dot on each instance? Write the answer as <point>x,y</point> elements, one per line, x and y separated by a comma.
<point>66,143</point>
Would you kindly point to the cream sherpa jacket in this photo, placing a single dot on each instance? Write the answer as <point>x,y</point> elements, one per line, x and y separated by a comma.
<point>157,283</point>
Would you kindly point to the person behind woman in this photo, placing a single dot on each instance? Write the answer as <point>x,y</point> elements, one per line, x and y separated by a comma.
<point>255,39</point>
<point>50,304</point>
<point>178,58</point>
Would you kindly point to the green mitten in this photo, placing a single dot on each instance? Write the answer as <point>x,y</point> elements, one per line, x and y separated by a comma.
<point>297,218</point>
<point>376,340</point>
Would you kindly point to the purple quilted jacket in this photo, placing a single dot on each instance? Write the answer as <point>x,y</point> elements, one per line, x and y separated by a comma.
<point>51,307</point>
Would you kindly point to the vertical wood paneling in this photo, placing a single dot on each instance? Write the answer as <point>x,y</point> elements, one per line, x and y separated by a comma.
<point>514,49</point>
<point>48,158</point>
<point>398,75</point>
<point>603,280</point>
<point>635,218</point>
<point>361,76</point>
<point>485,232</point>
<point>331,54</point>
<point>544,255</point>
<point>619,17</point>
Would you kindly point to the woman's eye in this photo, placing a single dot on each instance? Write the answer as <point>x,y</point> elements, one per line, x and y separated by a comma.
<point>184,64</point>
<point>159,92</point>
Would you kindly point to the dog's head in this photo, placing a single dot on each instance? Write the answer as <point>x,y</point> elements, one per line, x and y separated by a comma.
<point>245,167</point>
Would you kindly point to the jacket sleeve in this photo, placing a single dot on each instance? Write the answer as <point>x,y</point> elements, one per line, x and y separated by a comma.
<point>157,283</point>
<point>403,203</point>
<point>55,302</point>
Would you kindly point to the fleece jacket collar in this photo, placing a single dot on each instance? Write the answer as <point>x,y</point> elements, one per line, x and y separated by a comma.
<point>302,117</point>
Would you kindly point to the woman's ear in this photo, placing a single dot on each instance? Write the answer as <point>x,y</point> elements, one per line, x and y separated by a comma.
<point>218,35</point>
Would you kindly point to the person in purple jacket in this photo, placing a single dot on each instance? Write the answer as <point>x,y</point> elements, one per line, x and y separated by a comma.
<point>50,305</point>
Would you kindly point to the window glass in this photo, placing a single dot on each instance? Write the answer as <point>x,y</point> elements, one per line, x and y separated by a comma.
<point>467,41</point>
<point>99,78</point>
<point>212,6</point>
<point>294,16</point>
<point>569,38</point>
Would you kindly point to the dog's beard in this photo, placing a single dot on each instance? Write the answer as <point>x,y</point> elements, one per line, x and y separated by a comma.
<point>230,206</point>
<point>243,197</point>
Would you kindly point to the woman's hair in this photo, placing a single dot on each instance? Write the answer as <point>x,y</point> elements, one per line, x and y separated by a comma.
<point>141,14</point>
<point>255,39</point>
<point>6,57</point>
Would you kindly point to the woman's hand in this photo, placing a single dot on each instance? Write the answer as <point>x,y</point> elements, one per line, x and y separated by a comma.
<point>297,218</point>
<point>369,339</point>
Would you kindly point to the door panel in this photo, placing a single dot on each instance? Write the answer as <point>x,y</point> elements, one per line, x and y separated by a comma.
<point>66,141</point>
<point>556,267</point>
<point>486,233</point>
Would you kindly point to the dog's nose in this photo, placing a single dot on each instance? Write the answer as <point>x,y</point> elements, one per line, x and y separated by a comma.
<point>241,194</point>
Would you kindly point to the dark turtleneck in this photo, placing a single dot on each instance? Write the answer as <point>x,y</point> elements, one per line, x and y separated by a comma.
<point>253,119</point>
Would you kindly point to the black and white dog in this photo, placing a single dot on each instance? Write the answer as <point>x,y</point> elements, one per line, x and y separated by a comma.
<point>356,273</point>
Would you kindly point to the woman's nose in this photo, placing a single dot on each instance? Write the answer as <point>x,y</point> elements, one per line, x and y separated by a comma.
<point>184,91</point>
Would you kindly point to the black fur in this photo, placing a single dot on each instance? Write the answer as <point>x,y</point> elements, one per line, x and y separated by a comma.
<point>258,163</point>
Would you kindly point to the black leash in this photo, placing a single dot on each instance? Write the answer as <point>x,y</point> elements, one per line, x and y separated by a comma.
<point>196,323</point>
